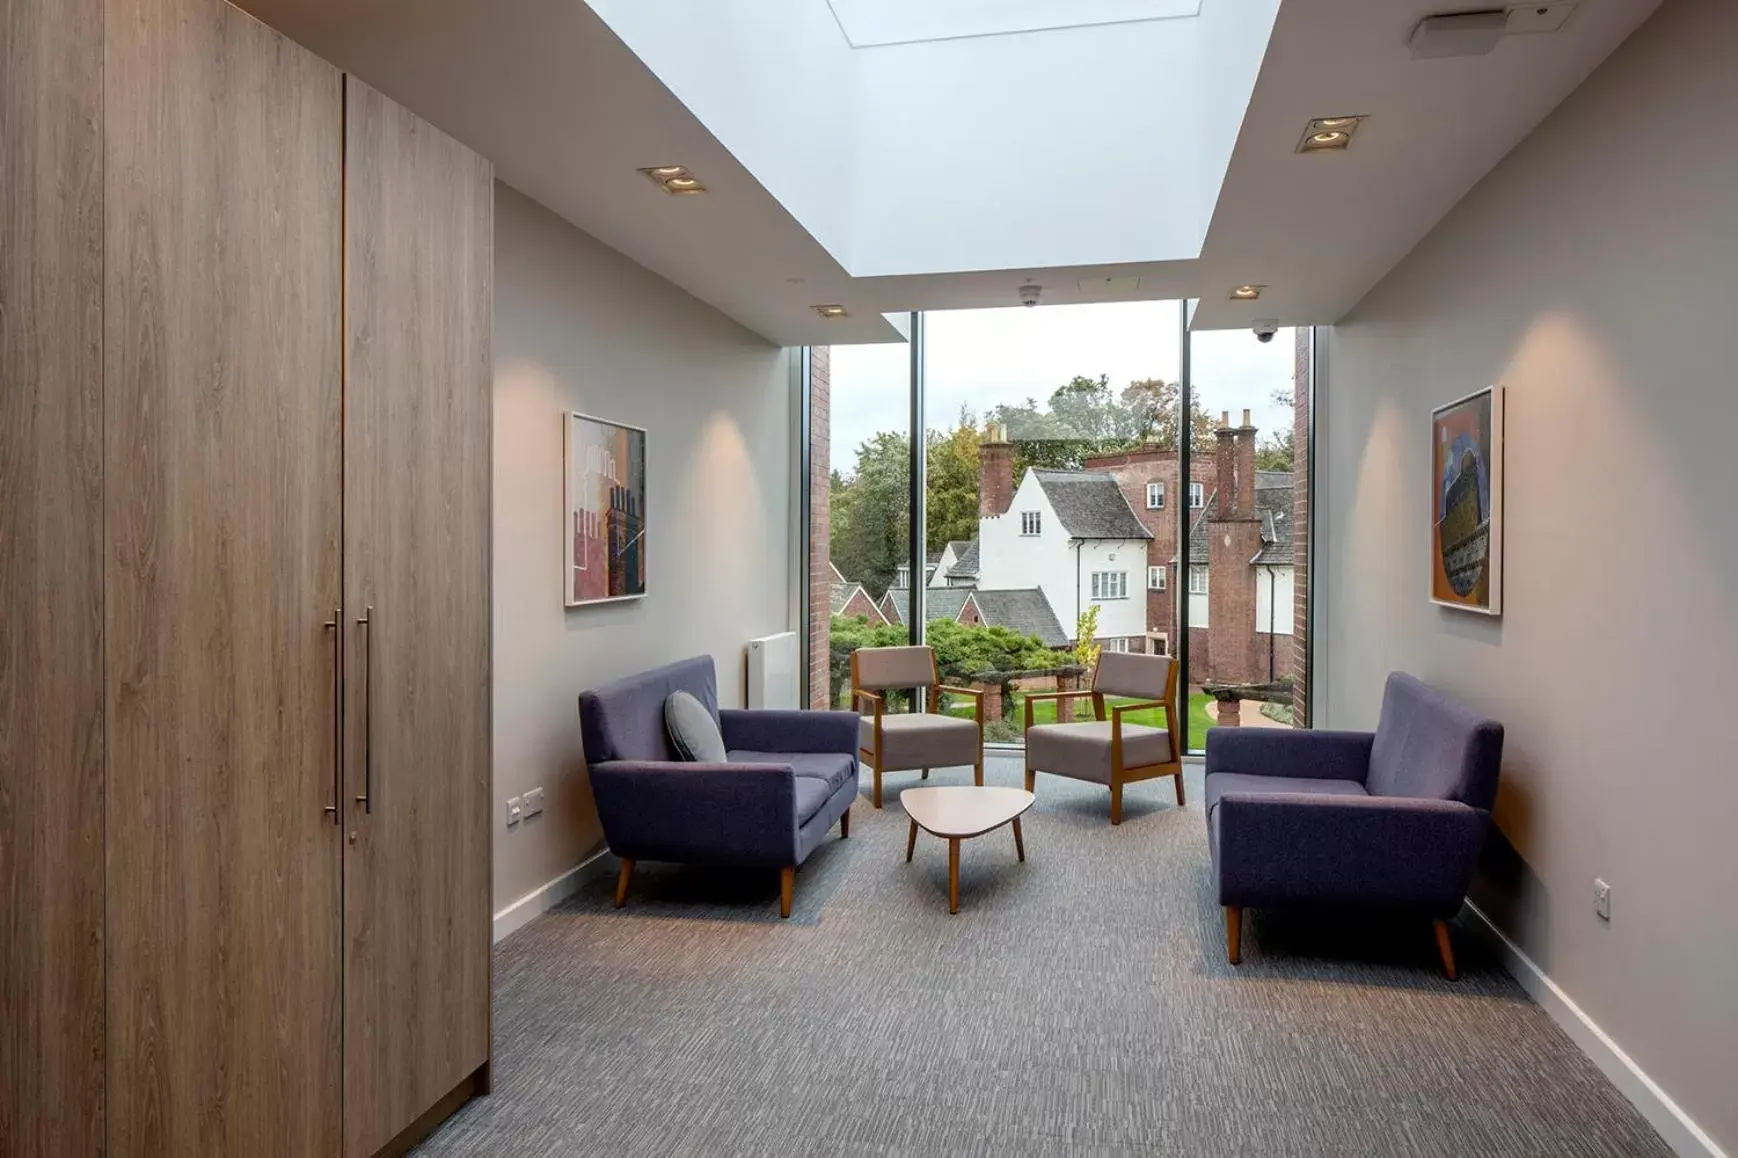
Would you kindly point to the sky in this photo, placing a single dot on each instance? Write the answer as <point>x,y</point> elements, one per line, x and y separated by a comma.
<point>979,358</point>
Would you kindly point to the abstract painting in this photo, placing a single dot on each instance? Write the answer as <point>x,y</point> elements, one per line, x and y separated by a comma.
<point>606,510</point>
<point>1466,483</point>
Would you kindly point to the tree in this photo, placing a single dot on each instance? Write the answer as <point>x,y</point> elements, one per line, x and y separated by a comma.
<point>848,634</point>
<point>952,499</point>
<point>1276,452</point>
<point>871,515</point>
<point>1086,646</point>
<point>1088,417</point>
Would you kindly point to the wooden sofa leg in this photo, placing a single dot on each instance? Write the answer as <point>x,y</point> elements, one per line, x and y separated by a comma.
<point>877,798</point>
<point>625,875</point>
<point>1115,802</point>
<point>787,883</point>
<point>1445,947</point>
<point>845,825</point>
<point>1234,934</point>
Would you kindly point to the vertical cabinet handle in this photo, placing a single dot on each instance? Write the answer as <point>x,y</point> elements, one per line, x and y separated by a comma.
<point>366,800</point>
<point>332,625</point>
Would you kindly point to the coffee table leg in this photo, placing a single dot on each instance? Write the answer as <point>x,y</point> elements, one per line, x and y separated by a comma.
<point>953,874</point>
<point>911,842</point>
<point>1019,841</point>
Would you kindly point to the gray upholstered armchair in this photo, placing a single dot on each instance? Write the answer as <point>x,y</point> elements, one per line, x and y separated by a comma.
<point>1392,819</point>
<point>1113,752</point>
<point>911,741</point>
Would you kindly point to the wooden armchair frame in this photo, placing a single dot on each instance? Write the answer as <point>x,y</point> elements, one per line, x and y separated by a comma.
<point>1120,775</point>
<point>872,756</point>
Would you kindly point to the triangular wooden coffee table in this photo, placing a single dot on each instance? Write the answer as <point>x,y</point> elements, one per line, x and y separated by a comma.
<point>960,813</point>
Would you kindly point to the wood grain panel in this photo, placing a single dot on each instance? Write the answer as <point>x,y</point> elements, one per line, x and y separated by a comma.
<point>419,307</point>
<point>51,578</point>
<point>222,355</point>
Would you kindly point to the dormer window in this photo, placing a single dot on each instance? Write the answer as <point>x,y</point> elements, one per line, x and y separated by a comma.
<point>1031,522</point>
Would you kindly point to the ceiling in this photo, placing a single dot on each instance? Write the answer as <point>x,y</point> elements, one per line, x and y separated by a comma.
<point>569,114</point>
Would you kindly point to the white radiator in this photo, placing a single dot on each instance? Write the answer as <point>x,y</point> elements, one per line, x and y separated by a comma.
<point>775,673</point>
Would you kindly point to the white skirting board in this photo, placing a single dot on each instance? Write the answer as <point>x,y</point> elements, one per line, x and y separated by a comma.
<point>1664,1115</point>
<point>551,893</point>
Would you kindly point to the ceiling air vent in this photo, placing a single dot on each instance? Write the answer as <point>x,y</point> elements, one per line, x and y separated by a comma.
<point>1459,34</point>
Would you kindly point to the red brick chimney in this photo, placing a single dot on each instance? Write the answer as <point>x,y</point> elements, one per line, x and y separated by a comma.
<point>995,472</point>
<point>1226,453</point>
<point>1246,468</point>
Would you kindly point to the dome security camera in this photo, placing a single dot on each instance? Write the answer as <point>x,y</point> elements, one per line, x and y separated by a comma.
<point>1029,294</point>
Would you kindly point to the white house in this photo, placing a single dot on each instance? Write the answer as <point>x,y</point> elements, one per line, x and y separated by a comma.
<point>1072,535</point>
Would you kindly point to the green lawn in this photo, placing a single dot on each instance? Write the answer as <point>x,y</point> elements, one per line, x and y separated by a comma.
<point>1013,722</point>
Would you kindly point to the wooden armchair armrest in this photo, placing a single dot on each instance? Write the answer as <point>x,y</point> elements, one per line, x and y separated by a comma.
<point>979,692</point>
<point>1138,705</point>
<point>860,694</point>
<point>1080,692</point>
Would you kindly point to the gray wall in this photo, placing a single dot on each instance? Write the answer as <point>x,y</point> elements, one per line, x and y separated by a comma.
<point>1595,273</point>
<point>580,327</point>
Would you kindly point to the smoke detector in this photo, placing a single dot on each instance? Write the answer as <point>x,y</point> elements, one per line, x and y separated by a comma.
<point>1029,293</point>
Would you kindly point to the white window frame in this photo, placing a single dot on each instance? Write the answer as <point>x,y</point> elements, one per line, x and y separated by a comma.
<point>1109,585</point>
<point>1155,578</point>
<point>1118,644</point>
<point>1031,523</point>
<point>1156,490</point>
<point>1197,496</point>
<point>1197,579</point>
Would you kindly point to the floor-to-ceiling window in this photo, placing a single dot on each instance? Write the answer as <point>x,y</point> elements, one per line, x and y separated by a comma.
<point>1246,571</point>
<point>1068,505</point>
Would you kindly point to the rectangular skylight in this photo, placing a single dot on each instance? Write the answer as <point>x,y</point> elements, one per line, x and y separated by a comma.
<point>872,23</point>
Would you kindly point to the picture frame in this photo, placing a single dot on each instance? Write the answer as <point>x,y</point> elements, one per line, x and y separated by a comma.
<point>604,474</point>
<point>1466,506</point>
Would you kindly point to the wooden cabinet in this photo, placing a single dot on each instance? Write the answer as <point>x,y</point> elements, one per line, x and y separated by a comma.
<point>419,229</point>
<point>245,315</point>
<point>51,577</point>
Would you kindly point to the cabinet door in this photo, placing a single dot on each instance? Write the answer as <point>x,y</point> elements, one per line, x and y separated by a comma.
<point>51,578</point>
<point>419,255</point>
<point>222,371</point>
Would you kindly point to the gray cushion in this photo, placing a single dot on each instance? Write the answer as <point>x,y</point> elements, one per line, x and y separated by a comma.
<point>693,732</point>
<point>922,741</point>
<point>1219,783</point>
<point>831,768</point>
<point>811,794</point>
<point>1083,750</point>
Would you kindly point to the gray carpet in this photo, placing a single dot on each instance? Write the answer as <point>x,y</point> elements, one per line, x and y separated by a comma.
<point>1079,1003</point>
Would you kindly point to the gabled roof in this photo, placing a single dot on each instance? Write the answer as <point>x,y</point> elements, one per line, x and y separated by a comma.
<point>1025,611</point>
<point>1090,505</point>
<point>838,575</point>
<point>966,554</point>
<point>940,602</point>
<point>843,593</point>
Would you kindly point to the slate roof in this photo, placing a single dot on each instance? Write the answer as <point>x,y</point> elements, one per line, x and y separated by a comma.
<point>1091,505</point>
<point>1026,611</point>
<point>941,602</point>
<point>842,593</point>
<point>1273,502</point>
<point>966,560</point>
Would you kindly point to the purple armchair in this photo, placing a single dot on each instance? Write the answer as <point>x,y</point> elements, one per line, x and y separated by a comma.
<point>788,777</point>
<point>1392,819</point>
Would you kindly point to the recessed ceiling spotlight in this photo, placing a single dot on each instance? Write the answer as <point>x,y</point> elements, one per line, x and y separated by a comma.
<point>674,179</point>
<point>1326,134</point>
<point>1246,293</point>
<point>831,311</point>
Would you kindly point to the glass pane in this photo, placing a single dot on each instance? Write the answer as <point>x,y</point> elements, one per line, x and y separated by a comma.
<point>1247,577</point>
<point>1049,430</point>
<point>861,398</point>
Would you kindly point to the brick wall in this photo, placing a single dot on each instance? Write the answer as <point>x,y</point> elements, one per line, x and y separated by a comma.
<point>820,525</point>
<point>1300,528</point>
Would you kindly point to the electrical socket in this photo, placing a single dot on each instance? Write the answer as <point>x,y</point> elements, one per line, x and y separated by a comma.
<point>515,810</point>
<point>533,802</point>
<point>1602,899</point>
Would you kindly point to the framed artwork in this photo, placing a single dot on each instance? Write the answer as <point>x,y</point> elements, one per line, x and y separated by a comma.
<point>1466,486</point>
<point>606,510</point>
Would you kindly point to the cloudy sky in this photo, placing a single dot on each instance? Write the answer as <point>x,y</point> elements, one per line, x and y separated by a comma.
<point>979,358</point>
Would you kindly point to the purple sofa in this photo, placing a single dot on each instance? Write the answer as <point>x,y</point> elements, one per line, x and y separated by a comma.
<point>1392,819</point>
<point>789,776</point>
